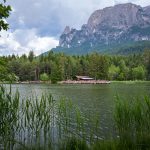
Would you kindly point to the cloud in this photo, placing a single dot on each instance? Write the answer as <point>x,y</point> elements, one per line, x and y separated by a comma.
<point>138,2</point>
<point>51,16</point>
<point>22,41</point>
<point>37,24</point>
<point>44,43</point>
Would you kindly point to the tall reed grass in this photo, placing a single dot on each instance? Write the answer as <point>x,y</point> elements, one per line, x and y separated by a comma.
<point>45,123</point>
<point>39,122</point>
<point>132,120</point>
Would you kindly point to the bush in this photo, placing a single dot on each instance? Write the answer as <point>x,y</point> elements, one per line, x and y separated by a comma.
<point>44,77</point>
<point>139,73</point>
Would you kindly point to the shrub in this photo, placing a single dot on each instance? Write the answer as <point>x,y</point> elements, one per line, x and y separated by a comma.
<point>44,77</point>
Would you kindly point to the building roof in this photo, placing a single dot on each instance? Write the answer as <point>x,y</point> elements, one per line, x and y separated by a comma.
<point>84,77</point>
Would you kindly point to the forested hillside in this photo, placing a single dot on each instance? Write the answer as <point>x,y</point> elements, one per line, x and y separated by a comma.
<point>57,67</point>
<point>114,49</point>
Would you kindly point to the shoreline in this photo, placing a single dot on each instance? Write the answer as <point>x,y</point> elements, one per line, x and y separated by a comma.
<point>78,82</point>
<point>85,82</point>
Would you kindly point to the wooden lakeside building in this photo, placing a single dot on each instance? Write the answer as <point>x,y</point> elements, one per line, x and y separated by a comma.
<point>84,80</point>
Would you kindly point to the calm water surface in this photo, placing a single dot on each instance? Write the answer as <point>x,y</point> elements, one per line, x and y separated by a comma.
<point>91,99</point>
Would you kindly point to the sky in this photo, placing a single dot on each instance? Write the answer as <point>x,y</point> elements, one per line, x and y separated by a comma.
<point>37,24</point>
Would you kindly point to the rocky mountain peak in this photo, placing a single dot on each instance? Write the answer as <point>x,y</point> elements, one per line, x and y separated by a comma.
<point>112,25</point>
<point>147,10</point>
<point>67,30</point>
<point>119,16</point>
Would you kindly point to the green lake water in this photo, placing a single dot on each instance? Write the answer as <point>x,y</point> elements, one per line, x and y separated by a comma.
<point>91,99</point>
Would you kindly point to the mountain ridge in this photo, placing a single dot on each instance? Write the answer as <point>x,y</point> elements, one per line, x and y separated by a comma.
<point>119,24</point>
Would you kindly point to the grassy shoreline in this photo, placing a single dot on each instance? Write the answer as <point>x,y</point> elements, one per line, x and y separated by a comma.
<point>61,82</point>
<point>136,81</point>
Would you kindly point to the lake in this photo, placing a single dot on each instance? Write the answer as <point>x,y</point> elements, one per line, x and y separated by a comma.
<point>91,99</point>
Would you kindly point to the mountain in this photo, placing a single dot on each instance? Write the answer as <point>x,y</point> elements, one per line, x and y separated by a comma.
<point>108,29</point>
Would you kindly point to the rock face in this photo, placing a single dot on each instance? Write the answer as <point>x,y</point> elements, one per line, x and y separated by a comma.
<point>147,10</point>
<point>112,25</point>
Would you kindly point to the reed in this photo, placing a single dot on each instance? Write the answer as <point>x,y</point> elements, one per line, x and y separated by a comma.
<point>45,123</point>
<point>132,120</point>
<point>34,123</point>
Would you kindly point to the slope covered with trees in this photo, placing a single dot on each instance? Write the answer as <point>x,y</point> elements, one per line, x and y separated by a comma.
<point>57,67</point>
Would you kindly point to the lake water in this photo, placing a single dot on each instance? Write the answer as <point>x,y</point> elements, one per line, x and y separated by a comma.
<point>91,99</point>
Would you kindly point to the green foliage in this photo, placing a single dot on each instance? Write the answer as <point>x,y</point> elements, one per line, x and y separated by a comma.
<point>34,122</point>
<point>98,66</point>
<point>63,67</point>
<point>44,77</point>
<point>139,73</point>
<point>31,56</point>
<point>106,145</point>
<point>9,116</point>
<point>124,70</point>
<point>132,120</point>
<point>12,77</point>
<point>113,72</point>
<point>56,73</point>
<point>43,123</point>
<point>3,69</point>
<point>5,74</point>
<point>147,62</point>
<point>4,13</point>
<point>74,144</point>
<point>124,48</point>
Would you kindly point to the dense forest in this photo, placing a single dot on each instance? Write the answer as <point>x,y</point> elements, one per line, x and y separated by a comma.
<point>56,67</point>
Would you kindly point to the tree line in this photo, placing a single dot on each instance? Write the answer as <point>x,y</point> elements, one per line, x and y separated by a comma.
<point>59,66</point>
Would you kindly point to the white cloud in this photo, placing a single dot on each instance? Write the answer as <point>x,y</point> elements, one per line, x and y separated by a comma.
<point>51,16</point>
<point>138,2</point>
<point>35,24</point>
<point>22,41</point>
<point>40,44</point>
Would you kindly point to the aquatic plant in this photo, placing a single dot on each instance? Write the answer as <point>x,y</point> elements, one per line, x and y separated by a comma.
<point>45,123</point>
<point>132,119</point>
<point>37,122</point>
